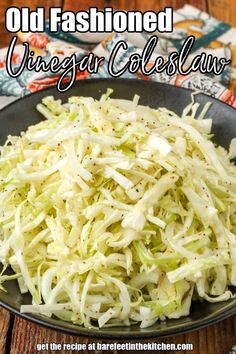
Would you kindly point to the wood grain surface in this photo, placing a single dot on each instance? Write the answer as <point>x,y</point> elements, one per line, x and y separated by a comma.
<point>222,9</point>
<point>215,339</point>
<point>6,321</point>
<point>18,336</point>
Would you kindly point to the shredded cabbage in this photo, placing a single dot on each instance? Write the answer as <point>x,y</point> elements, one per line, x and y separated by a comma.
<point>113,213</point>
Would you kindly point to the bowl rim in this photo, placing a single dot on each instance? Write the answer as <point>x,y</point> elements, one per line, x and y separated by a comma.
<point>100,334</point>
<point>124,80</point>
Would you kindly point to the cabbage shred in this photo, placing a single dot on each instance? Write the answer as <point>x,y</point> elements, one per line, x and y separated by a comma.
<point>112,213</point>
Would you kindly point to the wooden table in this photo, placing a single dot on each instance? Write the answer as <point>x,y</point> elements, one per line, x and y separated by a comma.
<point>18,336</point>
<point>224,10</point>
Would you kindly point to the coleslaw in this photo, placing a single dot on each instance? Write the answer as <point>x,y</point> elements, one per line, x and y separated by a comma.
<point>114,213</point>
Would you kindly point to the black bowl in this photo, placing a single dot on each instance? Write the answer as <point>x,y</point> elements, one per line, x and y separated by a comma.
<point>20,114</point>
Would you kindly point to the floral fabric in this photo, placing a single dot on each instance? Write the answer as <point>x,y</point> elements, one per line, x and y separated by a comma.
<point>212,36</point>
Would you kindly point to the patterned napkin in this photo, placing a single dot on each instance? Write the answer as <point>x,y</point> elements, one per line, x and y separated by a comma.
<point>212,36</point>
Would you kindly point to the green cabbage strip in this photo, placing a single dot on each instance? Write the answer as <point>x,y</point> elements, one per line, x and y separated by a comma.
<point>113,213</point>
